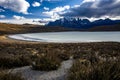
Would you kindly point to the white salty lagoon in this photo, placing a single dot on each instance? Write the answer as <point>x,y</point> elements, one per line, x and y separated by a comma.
<point>69,37</point>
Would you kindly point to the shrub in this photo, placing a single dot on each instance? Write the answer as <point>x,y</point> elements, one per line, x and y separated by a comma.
<point>46,63</point>
<point>63,56</point>
<point>104,70</point>
<point>10,76</point>
<point>11,62</point>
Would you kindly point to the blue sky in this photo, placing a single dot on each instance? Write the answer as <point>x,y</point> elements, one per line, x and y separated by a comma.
<point>50,10</point>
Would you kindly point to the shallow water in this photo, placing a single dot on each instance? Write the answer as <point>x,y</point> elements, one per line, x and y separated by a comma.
<point>66,37</point>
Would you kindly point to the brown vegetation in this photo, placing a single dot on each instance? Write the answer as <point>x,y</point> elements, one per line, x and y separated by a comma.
<point>62,51</point>
<point>4,75</point>
<point>95,68</point>
<point>93,60</point>
<point>17,29</point>
<point>106,28</point>
<point>12,62</point>
<point>46,63</point>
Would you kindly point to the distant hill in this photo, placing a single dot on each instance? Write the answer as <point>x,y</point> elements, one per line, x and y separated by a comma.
<point>82,24</point>
<point>106,28</point>
<point>14,28</point>
<point>10,28</point>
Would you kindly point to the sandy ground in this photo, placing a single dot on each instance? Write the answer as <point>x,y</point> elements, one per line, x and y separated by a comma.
<point>59,74</point>
<point>6,39</point>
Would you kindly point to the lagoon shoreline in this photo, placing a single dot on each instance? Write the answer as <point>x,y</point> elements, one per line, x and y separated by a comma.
<point>7,39</point>
<point>66,37</point>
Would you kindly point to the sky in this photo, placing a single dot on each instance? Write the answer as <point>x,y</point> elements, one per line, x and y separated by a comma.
<point>32,11</point>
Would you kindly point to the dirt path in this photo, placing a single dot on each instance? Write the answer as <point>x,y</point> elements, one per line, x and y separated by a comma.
<point>59,74</point>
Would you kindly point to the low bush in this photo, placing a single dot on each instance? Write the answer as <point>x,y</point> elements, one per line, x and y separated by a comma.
<point>103,70</point>
<point>46,63</point>
<point>12,62</point>
<point>63,56</point>
<point>10,76</point>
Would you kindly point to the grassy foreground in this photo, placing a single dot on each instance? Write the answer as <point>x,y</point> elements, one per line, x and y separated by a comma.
<point>93,61</point>
<point>95,67</point>
<point>10,76</point>
<point>24,53</point>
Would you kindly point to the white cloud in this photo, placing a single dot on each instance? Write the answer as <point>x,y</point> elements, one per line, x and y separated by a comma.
<point>76,6</point>
<point>46,8</point>
<point>36,4</point>
<point>60,9</point>
<point>2,10</point>
<point>29,21</point>
<point>20,6</point>
<point>18,17</point>
<point>54,13</point>
<point>106,3</point>
<point>51,0</point>
<point>95,9</point>
<point>2,16</point>
<point>88,1</point>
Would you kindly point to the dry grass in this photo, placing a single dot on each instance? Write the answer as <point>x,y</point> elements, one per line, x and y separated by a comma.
<point>46,63</point>
<point>17,29</point>
<point>101,64</point>
<point>13,62</point>
<point>93,59</point>
<point>9,28</point>
<point>10,76</point>
<point>58,51</point>
<point>102,70</point>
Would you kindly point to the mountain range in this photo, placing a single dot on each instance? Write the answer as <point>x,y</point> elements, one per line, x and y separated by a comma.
<point>82,24</point>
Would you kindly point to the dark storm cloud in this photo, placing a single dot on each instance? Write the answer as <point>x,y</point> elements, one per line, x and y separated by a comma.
<point>97,8</point>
